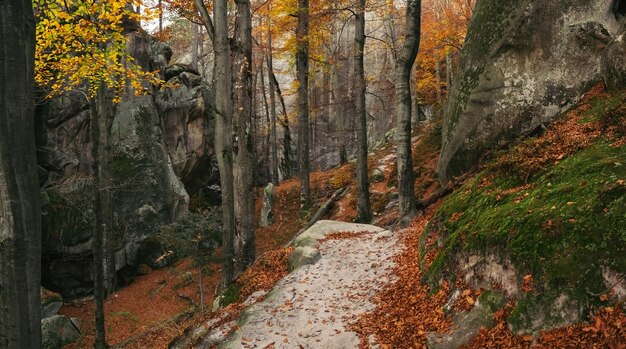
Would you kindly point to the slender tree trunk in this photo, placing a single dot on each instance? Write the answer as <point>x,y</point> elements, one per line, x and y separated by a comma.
<point>20,217</point>
<point>302,72</point>
<point>404,63</point>
<point>267,146</point>
<point>438,79</point>
<point>242,118</point>
<point>98,128</point>
<point>449,71</point>
<point>338,110</point>
<point>364,211</point>
<point>224,133</point>
<point>287,157</point>
<point>274,138</point>
<point>160,4</point>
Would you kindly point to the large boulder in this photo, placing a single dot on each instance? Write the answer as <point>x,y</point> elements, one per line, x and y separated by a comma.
<point>614,65</point>
<point>58,331</point>
<point>523,63</point>
<point>157,140</point>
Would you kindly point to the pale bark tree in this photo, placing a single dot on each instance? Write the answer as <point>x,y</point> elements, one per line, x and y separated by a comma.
<point>364,210</point>
<point>404,63</point>
<point>286,167</point>
<point>274,139</point>
<point>222,80</point>
<point>244,246</point>
<point>20,217</point>
<point>302,73</point>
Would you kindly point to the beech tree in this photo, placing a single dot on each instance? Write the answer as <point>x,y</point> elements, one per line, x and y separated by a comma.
<point>244,149</point>
<point>20,217</point>
<point>302,72</point>
<point>364,211</point>
<point>404,64</point>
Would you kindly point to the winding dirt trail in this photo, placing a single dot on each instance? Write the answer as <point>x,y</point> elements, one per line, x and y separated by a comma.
<point>314,305</point>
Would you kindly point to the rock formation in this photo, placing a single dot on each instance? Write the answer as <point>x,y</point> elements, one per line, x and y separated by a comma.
<point>161,151</point>
<point>523,63</point>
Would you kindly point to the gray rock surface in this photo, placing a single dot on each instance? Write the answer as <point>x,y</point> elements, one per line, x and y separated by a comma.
<point>58,331</point>
<point>267,214</point>
<point>614,65</point>
<point>162,147</point>
<point>303,255</point>
<point>51,302</point>
<point>522,64</point>
<point>312,306</point>
<point>467,325</point>
<point>377,175</point>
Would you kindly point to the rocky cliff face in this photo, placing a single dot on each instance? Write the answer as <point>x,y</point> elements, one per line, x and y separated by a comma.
<point>162,149</point>
<point>523,63</point>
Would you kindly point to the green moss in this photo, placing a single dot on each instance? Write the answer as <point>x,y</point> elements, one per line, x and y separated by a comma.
<point>568,223</point>
<point>230,295</point>
<point>601,106</point>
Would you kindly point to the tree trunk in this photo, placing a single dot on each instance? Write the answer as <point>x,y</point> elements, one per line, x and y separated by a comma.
<point>302,72</point>
<point>437,79</point>
<point>287,157</point>
<point>242,118</point>
<point>338,110</point>
<point>449,71</point>
<point>224,133</point>
<point>267,146</point>
<point>274,138</point>
<point>103,257</point>
<point>404,64</point>
<point>364,211</point>
<point>160,5</point>
<point>20,217</point>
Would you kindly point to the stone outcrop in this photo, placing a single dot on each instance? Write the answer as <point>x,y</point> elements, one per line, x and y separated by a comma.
<point>267,209</point>
<point>523,63</point>
<point>613,63</point>
<point>58,331</point>
<point>161,151</point>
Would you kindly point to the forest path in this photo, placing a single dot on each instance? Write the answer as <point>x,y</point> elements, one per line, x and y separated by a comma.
<point>314,305</point>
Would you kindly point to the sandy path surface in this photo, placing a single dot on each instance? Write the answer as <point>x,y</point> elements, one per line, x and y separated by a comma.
<point>313,306</point>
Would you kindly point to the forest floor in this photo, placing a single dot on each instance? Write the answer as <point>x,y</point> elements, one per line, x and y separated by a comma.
<point>157,307</point>
<point>365,291</point>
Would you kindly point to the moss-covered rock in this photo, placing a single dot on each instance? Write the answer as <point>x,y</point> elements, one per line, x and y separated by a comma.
<point>523,62</point>
<point>563,228</point>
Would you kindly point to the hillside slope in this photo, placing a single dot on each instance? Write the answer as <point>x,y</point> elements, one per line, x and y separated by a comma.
<point>531,245</point>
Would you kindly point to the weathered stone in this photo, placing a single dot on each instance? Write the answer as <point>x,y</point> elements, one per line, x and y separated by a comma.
<point>377,175</point>
<point>522,64</point>
<point>267,214</point>
<point>544,311</point>
<point>187,121</point>
<point>320,229</point>
<point>614,65</point>
<point>51,302</point>
<point>302,256</point>
<point>467,325</point>
<point>58,331</point>
<point>161,145</point>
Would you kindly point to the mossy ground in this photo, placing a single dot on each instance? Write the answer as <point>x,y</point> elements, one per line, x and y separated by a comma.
<point>561,224</point>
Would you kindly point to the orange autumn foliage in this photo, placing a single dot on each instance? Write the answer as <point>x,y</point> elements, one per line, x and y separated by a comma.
<point>444,25</point>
